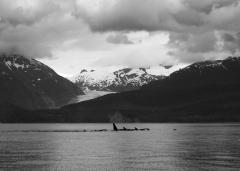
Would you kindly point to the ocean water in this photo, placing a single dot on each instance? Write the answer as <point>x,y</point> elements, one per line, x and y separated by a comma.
<point>191,147</point>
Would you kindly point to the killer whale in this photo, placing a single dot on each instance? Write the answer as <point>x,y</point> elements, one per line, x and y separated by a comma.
<point>115,127</point>
<point>125,129</point>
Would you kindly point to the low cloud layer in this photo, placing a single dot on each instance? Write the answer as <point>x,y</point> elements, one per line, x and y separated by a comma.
<point>118,39</point>
<point>196,29</point>
<point>36,28</point>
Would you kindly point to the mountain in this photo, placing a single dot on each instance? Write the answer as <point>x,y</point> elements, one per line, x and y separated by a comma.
<point>206,91</point>
<point>202,92</point>
<point>30,84</point>
<point>10,112</point>
<point>122,80</point>
<point>201,73</point>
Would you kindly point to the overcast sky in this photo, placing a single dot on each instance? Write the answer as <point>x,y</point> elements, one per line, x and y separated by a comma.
<point>71,35</point>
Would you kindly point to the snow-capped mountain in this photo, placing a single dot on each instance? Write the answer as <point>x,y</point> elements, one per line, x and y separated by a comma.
<point>122,80</point>
<point>31,84</point>
<point>201,73</point>
<point>206,67</point>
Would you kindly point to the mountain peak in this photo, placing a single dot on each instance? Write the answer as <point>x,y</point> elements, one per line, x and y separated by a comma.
<point>206,72</point>
<point>83,71</point>
<point>125,79</point>
<point>207,67</point>
<point>20,62</point>
<point>33,85</point>
<point>166,66</point>
<point>143,69</point>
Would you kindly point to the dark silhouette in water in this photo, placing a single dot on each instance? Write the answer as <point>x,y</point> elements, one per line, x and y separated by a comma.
<point>93,130</point>
<point>100,130</point>
<point>115,127</point>
<point>125,129</point>
<point>144,129</point>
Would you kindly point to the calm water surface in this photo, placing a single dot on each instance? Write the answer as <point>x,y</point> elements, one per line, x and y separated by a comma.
<point>191,147</point>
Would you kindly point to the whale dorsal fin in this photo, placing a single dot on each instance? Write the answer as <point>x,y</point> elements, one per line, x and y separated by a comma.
<point>115,127</point>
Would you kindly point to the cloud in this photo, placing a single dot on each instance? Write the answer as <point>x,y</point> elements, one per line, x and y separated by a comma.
<point>206,6</point>
<point>27,49</point>
<point>193,43</point>
<point>37,28</point>
<point>134,15</point>
<point>26,12</point>
<point>118,39</point>
<point>192,25</point>
<point>187,57</point>
<point>228,37</point>
<point>133,57</point>
<point>154,15</point>
<point>160,70</point>
<point>231,43</point>
<point>196,30</point>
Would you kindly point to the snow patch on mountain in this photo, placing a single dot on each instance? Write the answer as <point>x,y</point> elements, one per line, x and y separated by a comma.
<point>204,67</point>
<point>161,70</point>
<point>25,79</point>
<point>122,80</point>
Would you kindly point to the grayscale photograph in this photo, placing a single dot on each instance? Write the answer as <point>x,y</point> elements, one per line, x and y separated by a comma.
<point>119,85</point>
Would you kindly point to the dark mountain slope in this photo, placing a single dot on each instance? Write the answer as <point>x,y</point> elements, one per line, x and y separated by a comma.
<point>186,96</point>
<point>215,103</point>
<point>201,73</point>
<point>10,113</point>
<point>205,91</point>
<point>33,85</point>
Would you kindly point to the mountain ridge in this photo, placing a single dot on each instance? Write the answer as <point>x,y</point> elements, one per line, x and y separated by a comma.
<point>125,79</point>
<point>185,96</point>
<point>30,84</point>
<point>200,73</point>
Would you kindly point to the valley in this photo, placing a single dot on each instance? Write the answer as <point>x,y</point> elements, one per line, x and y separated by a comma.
<point>89,95</point>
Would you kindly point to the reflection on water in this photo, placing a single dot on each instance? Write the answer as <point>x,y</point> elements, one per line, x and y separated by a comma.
<point>191,147</point>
